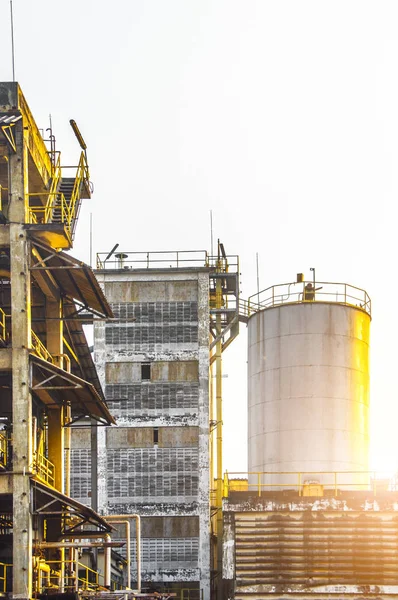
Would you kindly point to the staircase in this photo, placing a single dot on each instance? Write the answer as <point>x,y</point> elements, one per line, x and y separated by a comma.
<point>67,202</point>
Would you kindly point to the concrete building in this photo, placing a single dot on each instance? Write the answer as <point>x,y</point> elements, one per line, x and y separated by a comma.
<point>153,362</point>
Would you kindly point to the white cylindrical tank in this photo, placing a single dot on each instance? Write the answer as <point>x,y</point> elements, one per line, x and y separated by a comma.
<point>308,377</point>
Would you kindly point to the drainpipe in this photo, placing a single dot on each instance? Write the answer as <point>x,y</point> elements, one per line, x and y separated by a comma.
<point>138,541</point>
<point>126,523</point>
<point>107,566</point>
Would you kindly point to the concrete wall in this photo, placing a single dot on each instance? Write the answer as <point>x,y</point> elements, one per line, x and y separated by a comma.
<point>153,364</point>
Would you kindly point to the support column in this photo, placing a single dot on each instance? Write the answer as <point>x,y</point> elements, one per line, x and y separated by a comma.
<point>21,376</point>
<point>219,439</point>
<point>56,416</point>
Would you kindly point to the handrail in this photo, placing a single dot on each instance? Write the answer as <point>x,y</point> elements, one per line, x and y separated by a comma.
<point>307,292</point>
<point>3,576</point>
<point>40,349</point>
<point>300,480</point>
<point>82,178</point>
<point>3,450</point>
<point>67,211</point>
<point>72,579</point>
<point>149,260</point>
<point>3,330</point>
<point>45,469</point>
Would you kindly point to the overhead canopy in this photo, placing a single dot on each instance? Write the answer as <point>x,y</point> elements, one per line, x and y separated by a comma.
<point>48,501</point>
<point>55,386</point>
<point>74,278</point>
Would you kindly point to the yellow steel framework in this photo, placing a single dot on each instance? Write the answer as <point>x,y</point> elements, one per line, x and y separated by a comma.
<point>46,369</point>
<point>224,327</point>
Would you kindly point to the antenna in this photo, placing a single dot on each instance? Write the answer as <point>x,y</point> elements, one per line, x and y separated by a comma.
<point>12,42</point>
<point>258,281</point>
<point>211,231</point>
<point>91,239</point>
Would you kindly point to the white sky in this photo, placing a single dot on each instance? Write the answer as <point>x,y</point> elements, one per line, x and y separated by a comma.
<point>280,116</point>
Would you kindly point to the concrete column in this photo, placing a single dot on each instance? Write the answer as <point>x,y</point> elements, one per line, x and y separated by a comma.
<point>100,433</point>
<point>204,457</point>
<point>21,380</point>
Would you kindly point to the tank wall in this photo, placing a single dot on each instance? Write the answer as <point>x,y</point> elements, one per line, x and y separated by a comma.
<point>308,374</point>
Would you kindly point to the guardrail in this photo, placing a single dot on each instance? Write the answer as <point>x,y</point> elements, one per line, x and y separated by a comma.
<point>40,349</point>
<point>58,208</point>
<point>44,468</point>
<point>306,291</point>
<point>153,260</point>
<point>3,451</point>
<point>3,576</point>
<point>166,259</point>
<point>3,329</point>
<point>300,482</point>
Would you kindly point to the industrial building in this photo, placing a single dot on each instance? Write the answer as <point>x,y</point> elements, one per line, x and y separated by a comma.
<point>175,313</point>
<point>111,478</point>
<point>48,382</point>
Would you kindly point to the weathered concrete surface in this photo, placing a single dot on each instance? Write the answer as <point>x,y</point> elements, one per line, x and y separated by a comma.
<point>156,463</point>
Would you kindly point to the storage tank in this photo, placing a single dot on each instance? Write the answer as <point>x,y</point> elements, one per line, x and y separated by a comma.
<point>308,378</point>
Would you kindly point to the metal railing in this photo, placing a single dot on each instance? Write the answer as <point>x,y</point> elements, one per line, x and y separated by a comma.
<point>291,293</point>
<point>3,329</point>
<point>44,469</point>
<point>153,260</point>
<point>336,481</point>
<point>3,451</point>
<point>57,207</point>
<point>40,349</point>
<point>77,577</point>
<point>3,576</point>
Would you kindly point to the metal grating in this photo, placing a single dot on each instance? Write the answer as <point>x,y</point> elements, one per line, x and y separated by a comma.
<point>80,475</point>
<point>137,399</point>
<point>152,323</point>
<point>142,473</point>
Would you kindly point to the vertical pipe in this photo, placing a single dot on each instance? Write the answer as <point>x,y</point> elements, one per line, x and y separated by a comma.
<point>67,449</point>
<point>138,553</point>
<point>219,438</point>
<point>76,557</point>
<point>94,469</point>
<point>107,565</point>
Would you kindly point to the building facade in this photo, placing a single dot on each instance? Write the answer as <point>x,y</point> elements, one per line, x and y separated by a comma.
<point>153,362</point>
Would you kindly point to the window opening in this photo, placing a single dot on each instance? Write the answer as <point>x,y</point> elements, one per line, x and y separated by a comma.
<point>146,371</point>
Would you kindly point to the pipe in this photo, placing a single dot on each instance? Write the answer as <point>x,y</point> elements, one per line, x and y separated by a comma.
<point>107,566</point>
<point>138,541</point>
<point>80,544</point>
<point>128,549</point>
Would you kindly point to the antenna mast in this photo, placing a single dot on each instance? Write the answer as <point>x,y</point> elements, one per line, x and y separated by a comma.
<point>12,42</point>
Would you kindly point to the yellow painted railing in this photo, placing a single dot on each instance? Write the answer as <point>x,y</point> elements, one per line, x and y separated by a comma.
<point>3,576</point>
<point>57,206</point>
<point>257,482</point>
<point>319,291</point>
<point>3,450</point>
<point>44,468</point>
<point>3,330</point>
<point>40,349</point>
<point>78,576</point>
<point>82,179</point>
